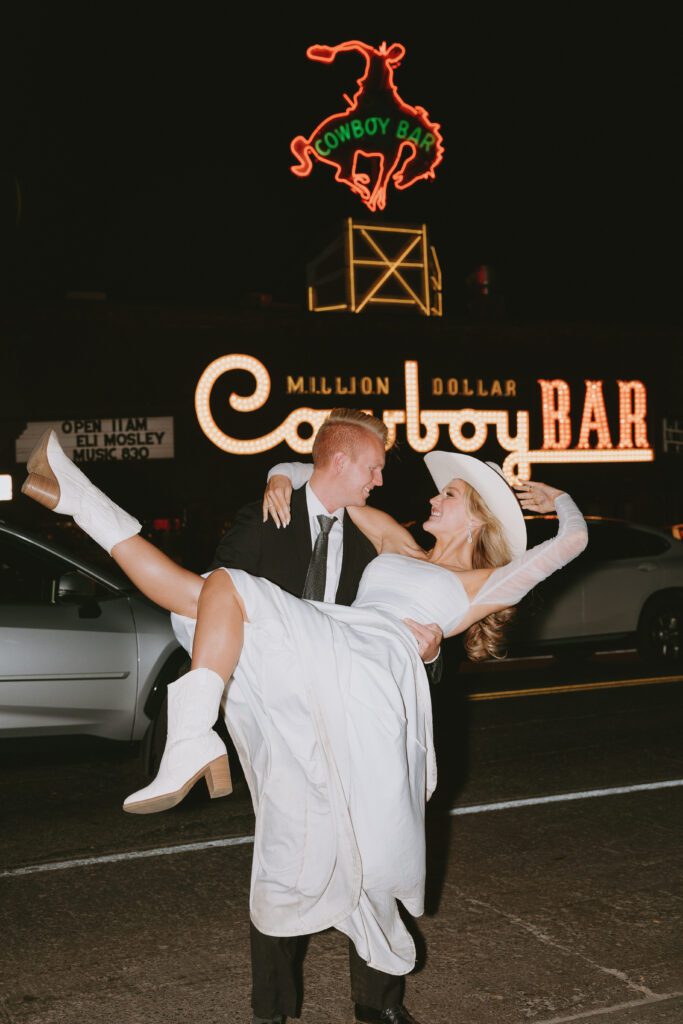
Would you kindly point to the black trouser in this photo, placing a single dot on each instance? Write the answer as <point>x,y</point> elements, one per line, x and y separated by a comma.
<point>275,963</point>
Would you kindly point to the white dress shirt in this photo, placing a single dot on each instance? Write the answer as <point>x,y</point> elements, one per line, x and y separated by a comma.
<point>299,473</point>
<point>335,543</point>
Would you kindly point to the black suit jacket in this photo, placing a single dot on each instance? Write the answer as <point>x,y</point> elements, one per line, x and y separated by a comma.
<point>282,556</point>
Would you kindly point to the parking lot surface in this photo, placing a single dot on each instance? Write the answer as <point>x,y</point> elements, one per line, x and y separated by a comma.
<point>559,907</point>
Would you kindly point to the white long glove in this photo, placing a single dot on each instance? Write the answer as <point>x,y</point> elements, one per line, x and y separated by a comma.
<point>510,583</point>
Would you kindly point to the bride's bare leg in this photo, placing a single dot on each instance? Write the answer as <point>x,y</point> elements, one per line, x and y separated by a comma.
<point>219,634</point>
<point>158,577</point>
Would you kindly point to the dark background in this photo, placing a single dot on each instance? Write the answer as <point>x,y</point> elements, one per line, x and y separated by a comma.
<point>147,159</point>
<point>151,146</point>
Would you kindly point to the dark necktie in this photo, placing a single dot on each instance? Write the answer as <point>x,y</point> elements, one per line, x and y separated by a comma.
<point>314,587</point>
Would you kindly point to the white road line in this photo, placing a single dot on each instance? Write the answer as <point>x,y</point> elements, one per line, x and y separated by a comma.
<point>212,844</point>
<point>605,1010</point>
<point>113,858</point>
<point>559,798</point>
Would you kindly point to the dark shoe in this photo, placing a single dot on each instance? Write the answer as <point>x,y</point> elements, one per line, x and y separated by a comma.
<point>394,1015</point>
<point>268,1020</point>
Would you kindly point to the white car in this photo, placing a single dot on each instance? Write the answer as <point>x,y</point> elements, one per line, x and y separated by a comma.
<point>81,651</point>
<point>625,589</point>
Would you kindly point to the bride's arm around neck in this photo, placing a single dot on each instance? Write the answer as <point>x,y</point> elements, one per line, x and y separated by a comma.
<point>383,531</point>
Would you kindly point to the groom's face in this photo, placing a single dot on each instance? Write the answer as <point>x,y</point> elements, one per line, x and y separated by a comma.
<point>364,472</point>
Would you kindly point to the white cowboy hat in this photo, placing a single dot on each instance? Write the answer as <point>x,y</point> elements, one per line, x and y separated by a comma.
<point>488,481</point>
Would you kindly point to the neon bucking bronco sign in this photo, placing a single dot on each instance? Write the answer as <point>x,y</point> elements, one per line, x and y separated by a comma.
<point>378,138</point>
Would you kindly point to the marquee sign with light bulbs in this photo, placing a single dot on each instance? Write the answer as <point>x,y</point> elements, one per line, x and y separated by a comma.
<point>624,439</point>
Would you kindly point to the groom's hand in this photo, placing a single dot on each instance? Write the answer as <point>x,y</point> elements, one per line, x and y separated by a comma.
<point>428,638</point>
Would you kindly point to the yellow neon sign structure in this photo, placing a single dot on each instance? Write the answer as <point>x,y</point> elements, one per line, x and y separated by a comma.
<point>408,275</point>
<point>423,426</point>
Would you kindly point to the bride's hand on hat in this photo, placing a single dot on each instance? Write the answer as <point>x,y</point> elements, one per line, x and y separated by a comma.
<point>277,499</point>
<point>537,497</point>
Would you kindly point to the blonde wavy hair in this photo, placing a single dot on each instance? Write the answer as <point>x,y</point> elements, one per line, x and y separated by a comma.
<point>490,549</point>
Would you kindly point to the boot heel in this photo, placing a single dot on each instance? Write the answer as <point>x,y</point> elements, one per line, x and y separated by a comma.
<point>37,460</point>
<point>217,777</point>
<point>41,489</point>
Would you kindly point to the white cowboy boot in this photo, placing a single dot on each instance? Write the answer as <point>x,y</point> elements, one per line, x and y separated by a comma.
<point>193,749</point>
<point>57,483</point>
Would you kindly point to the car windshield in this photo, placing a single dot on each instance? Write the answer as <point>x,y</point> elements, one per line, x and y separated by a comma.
<point>64,539</point>
<point>607,539</point>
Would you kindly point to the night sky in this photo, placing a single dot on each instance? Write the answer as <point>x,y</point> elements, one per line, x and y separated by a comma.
<point>151,147</point>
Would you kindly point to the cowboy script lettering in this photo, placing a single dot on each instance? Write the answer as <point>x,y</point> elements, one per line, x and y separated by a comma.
<point>379,139</point>
<point>598,440</point>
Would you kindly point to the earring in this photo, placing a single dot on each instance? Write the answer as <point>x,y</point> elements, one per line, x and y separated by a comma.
<point>469,533</point>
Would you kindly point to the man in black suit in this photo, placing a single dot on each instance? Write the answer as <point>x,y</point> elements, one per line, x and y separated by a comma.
<point>348,458</point>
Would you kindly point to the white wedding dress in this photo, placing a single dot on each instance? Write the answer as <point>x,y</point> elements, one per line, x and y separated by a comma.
<point>329,710</point>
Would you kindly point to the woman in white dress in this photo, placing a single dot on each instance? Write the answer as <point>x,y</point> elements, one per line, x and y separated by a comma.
<point>328,705</point>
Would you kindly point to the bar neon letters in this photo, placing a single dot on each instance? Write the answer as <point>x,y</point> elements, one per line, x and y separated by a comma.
<point>468,429</point>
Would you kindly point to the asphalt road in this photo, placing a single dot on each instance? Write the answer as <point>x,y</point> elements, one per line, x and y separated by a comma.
<point>558,906</point>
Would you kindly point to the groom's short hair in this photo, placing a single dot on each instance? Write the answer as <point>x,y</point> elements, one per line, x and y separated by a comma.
<point>345,430</point>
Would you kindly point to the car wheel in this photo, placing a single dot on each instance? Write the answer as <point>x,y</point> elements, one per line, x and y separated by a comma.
<point>154,740</point>
<point>660,634</point>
